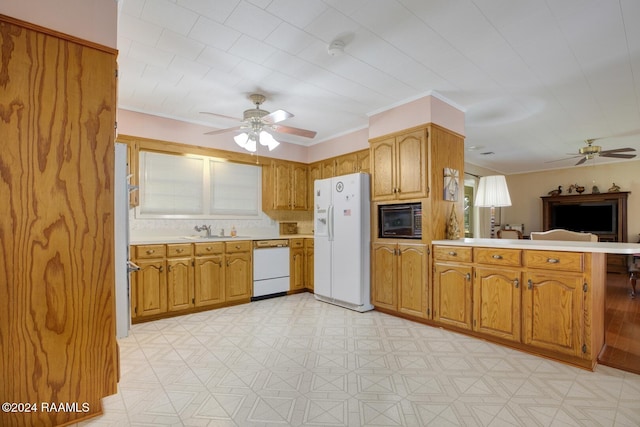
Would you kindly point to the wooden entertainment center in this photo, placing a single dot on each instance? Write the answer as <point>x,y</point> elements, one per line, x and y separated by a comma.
<point>615,263</point>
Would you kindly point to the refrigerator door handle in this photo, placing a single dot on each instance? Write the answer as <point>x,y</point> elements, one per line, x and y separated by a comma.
<point>330,222</point>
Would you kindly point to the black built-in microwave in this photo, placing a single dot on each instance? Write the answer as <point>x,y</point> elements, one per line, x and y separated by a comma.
<point>400,221</point>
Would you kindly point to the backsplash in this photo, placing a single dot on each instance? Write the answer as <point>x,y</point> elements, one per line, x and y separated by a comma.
<point>262,226</point>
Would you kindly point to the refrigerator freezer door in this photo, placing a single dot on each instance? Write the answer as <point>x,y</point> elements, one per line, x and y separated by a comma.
<point>322,245</point>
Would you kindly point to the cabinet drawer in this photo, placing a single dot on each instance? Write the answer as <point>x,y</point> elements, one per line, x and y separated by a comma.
<point>239,246</point>
<point>179,249</point>
<point>296,243</point>
<point>452,253</point>
<point>149,251</point>
<point>209,248</point>
<point>549,260</point>
<point>498,256</point>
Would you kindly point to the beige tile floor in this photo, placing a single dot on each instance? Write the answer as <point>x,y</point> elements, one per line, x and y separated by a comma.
<point>296,361</point>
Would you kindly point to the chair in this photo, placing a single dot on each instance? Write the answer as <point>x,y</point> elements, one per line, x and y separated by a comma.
<point>509,234</point>
<point>566,235</point>
<point>633,263</point>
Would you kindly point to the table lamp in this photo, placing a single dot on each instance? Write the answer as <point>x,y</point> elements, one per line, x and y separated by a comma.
<point>492,193</point>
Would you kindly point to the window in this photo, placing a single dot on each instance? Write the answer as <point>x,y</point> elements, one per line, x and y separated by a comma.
<point>184,186</point>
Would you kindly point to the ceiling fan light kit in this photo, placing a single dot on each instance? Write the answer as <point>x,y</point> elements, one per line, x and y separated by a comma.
<point>255,121</point>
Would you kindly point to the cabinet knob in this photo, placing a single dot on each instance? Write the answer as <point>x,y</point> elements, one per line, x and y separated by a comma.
<point>529,283</point>
<point>468,276</point>
<point>150,251</point>
<point>208,248</point>
<point>179,250</point>
<point>553,260</point>
<point>453,253</point>
<point>496,256</point>
<point>516,282</point>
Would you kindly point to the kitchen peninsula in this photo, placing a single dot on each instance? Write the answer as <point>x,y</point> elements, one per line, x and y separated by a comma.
<point>543,297</point>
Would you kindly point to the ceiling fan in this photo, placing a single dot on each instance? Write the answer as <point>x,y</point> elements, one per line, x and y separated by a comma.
<point>256,125</point>
<point>591,151</point>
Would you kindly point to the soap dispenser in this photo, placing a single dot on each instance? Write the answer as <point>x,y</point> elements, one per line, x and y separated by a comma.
<point>233,231</point>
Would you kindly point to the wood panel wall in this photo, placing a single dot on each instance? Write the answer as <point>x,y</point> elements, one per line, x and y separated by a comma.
<point>57,313</point>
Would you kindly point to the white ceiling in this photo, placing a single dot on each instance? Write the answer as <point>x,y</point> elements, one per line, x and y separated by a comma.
<point>535,78</point>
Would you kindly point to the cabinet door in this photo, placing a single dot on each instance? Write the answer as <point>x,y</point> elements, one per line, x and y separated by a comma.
<point>179,284</point>
<point>299,189</point>
<point>282,185</point>
<point>296,269</point>
<point>308,265</point>
<point>346,164</point>
<point>383,167</point>
<point>315,172</point>
<point>452,297</point>
<point>553,312</point>
<point>151,284</point>
<point>384,291</point>
<point>496,296</point>
<point>209,280</point>
<point>238,276</point>
<point>411,166</point>
<point>412,279</point>
<point>363,161</point>
<point>328,168</point>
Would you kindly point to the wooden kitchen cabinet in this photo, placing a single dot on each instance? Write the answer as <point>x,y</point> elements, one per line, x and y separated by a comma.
<point>209,274</point>
<point>399,281</point>
<point>542,301</point>
<point>346,164</point>
<point>150,282</point>
<point>328,167</point>
<point>309,263</point>
<point>399,166</point>
<point>554,302</point>
<point>179,276</point>
<point>453,295</point>
<point>238,270</point>
<point>296,264</point>
<point>496,302</point>
<point>383,280</point>
<point>285,186</point>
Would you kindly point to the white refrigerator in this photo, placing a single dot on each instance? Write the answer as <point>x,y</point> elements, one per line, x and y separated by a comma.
<point>341,241</point>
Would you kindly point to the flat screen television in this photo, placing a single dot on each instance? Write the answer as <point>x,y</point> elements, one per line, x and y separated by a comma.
<point>594,217</point>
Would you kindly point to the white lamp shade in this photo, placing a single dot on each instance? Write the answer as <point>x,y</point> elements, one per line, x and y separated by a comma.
<point>241,139</point>
<point>268,140</point>
<point>493,192</point>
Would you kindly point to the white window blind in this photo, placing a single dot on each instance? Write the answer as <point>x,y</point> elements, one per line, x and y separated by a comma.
<point>179,186</point>
<point>172,185</point>
<point>235,188</point>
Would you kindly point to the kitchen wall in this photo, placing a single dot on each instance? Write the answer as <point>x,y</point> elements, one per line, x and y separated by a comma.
<point>526,190</point>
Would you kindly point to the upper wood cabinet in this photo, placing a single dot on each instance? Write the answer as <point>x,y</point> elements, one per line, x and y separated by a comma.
<point>399,166</point>
<point>284,186</point>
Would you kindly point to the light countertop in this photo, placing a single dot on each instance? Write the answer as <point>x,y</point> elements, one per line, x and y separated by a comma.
<point>156,240</point>
<point>547,245</point>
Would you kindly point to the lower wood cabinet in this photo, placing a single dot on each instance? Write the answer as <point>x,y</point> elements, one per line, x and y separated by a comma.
<point>546,302</point>
<point>399,279</point>
<point>452,295</point>
<point>239,271</point>
<point>309,263</point>
<point>296,265</point>
<point>209,275</point>
<point>178,278</point>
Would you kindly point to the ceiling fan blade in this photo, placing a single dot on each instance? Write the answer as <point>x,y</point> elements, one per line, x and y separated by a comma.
<point>293,131</point>
<point>221,115</point>
<point>219,131</point>
<point>566,158</point>
<point>277,116</point>
<point>581,161</point>
<point>617,150</point>
<point>617,156</point>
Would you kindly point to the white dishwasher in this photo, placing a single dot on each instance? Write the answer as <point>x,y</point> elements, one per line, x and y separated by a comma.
<point>270,268</point>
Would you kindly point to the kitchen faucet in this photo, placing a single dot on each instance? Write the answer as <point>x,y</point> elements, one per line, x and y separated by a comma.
<point>204,227</point>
